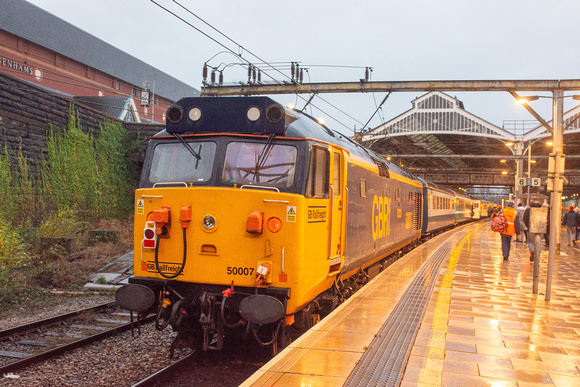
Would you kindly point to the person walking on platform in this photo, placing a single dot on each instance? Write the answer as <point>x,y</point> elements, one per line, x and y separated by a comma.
<point>513,227</point>
<point>531,237</point>
<point>570,223</point>
<point>523,228</point>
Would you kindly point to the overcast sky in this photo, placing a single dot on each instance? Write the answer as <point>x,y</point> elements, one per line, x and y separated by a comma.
<point>401,40</point>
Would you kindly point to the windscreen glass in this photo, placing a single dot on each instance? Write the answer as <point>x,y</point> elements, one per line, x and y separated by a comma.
<point>173,162</point>
<point>260,164</point>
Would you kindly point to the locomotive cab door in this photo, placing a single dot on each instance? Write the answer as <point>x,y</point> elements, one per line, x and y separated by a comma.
<point>336,210</point>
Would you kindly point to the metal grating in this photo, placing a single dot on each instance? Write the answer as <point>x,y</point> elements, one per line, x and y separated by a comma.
<point>417,210</point>
<point>384,362</point>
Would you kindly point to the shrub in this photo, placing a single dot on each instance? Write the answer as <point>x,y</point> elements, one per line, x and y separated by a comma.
<point>115,179</point>
<point>6,184</point>
<point>70,178</point>
<point>83,180</point>
<point>10,240</point>
<point>63,224</point>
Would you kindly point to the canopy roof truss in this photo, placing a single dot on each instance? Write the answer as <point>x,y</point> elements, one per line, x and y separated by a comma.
<point>437,112</point>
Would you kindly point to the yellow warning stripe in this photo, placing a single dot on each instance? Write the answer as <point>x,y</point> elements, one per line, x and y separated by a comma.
<point>436,344</point>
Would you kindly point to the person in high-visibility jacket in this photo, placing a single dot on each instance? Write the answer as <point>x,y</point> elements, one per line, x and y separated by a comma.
<point>513,227</point>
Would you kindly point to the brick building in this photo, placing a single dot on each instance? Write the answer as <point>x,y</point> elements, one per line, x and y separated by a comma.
<point>43,49</point>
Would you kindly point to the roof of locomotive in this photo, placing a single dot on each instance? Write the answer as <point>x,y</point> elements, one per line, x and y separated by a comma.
<point>295,124</point>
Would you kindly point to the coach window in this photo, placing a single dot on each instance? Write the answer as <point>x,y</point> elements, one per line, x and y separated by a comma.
<point>398,196</point>
<point>317,185</point>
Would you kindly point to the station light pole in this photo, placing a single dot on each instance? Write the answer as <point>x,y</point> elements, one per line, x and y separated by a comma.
<point>518,151</point>
<point>555,177</point>
<point>555,170</point>
<point>529,170</point>
<point>530,162</point>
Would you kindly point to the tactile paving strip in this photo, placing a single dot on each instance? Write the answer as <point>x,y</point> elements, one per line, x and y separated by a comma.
<point>383,364</point>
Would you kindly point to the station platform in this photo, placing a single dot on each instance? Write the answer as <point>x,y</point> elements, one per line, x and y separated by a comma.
<point>451,312</point>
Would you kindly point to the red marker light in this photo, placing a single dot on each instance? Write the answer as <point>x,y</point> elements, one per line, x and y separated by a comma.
<point>150,235</point>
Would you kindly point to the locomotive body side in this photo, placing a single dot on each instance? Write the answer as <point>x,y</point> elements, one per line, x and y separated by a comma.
<point>384,215</point>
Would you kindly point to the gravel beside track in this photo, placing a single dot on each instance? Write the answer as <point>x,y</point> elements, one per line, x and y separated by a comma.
<point>57,304</point>
<point>120,360</point>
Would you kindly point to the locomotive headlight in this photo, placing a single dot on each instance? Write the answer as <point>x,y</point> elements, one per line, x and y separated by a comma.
<point>174,114</point>
<point>208,222</point>
<point>253,113</point>
<point>194,114</point>
<point>274,113</point>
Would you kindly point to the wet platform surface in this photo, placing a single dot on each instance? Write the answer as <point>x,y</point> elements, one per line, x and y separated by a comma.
<point>482,326</point>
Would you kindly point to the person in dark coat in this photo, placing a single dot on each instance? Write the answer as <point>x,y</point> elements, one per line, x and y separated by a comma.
<point>577,210</point>
<point>570,223</point>
<point>522,236</point>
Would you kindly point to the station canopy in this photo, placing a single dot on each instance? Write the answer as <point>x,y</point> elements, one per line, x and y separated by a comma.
<point>438,125</point>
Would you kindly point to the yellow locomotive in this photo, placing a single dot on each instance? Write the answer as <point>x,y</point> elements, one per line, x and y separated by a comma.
<point>252,217</point>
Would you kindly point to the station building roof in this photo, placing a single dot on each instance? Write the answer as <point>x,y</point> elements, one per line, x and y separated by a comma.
<point>120,106</point>
<point>32,23</point>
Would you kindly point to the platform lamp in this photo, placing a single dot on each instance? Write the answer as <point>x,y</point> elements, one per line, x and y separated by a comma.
<point>508,170</point>
<point>555,172</point>
<point>516,148</point>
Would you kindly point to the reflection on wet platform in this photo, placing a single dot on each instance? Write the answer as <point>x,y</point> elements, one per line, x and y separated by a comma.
<point>482,326</point>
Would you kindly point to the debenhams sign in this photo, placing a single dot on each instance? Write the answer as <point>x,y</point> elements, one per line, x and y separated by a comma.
<point>12,64</point>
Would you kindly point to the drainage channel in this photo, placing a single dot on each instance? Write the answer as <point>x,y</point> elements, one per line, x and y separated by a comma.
<point>385,360</point>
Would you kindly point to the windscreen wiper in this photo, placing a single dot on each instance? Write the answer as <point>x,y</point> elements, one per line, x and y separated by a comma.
<point>189,148</point>
<point>261,160</point>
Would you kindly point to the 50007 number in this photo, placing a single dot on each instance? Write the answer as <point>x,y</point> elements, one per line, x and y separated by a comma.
<point>240,270</point>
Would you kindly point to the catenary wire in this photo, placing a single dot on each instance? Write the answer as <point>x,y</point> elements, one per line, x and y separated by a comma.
<point>239,55</point>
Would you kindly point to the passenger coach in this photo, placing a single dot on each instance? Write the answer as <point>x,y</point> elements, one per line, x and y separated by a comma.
<point>438,207</point>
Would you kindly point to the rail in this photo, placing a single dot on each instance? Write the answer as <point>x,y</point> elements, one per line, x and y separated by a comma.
<point>57,347</point>
<point>163,376</point>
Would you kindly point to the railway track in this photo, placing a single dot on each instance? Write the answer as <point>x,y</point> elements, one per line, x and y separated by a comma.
<point>227,368</point>
<point>163,376</point>
<point>28,344</point>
